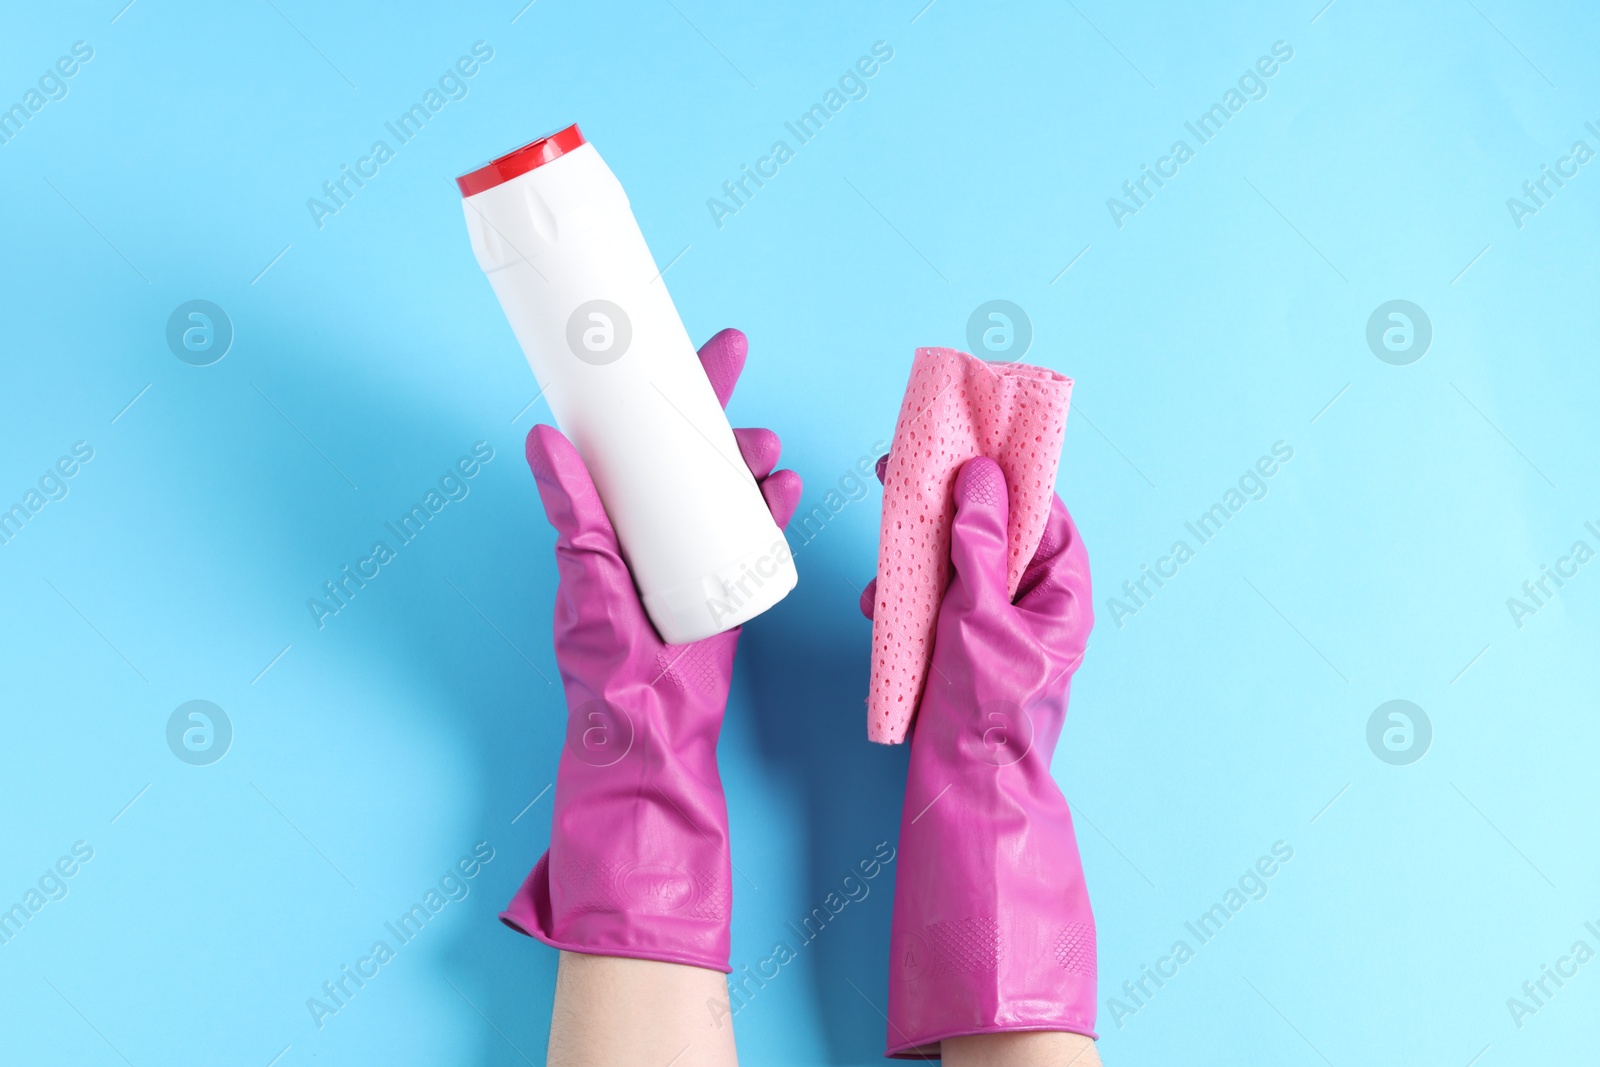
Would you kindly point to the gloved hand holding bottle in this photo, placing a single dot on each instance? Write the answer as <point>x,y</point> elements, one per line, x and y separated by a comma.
<point>636,888</point>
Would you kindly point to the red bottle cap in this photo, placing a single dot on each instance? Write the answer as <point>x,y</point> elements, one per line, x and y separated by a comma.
<point>517,163</point>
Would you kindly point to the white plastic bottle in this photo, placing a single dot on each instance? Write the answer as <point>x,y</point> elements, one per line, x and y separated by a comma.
<point>552,228</point>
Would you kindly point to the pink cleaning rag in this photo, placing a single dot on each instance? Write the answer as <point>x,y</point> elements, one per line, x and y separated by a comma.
<point>956,407</point>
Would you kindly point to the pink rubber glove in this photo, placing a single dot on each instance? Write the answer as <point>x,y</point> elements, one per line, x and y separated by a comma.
<point>992,929</point>
<point>638,861</point>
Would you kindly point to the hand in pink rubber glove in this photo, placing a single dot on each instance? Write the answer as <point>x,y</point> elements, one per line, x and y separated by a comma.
<point>638,862</point>
<point>992,929</point>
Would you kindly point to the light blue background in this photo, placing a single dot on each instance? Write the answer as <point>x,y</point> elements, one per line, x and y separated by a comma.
<point>1228,714</point>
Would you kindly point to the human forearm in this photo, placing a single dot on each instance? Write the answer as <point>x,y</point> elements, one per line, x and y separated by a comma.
<point>611,1010</point>
<point>1020,1049</point>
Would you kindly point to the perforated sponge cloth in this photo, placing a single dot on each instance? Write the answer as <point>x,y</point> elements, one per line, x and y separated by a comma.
<point>956,407</point>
